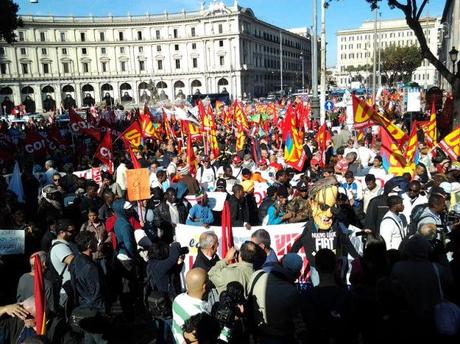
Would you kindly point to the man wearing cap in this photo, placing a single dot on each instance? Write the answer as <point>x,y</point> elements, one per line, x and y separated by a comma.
<point>206,174</point>
<point>237,167</point>
<point>276,302</point>
<point>200,214</point>
<point>298,206</point>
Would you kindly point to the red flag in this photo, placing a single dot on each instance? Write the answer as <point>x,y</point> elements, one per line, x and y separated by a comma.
<point>39,296</point>
<point>322,137</point>
<point>34,143</point>
<point>104,151</point>
<point>148,129</point>
<point>79,125</point>
<point>227,233</point>
<point>131,154</point>
<point>450,144</point>
<point>191,158</point>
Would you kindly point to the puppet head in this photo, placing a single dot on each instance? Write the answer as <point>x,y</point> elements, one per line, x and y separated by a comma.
<point>323,197</point>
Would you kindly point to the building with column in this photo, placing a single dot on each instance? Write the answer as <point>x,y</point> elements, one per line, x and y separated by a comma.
<point>355,47</point>
<point>450,37</point>
<point>212,50</point>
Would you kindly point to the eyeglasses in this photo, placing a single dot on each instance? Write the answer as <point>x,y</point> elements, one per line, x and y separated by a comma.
<point>56,179</point>
<point>324,206</point>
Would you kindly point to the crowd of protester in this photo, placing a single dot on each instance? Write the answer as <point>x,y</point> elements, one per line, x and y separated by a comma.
<point>113,274</point>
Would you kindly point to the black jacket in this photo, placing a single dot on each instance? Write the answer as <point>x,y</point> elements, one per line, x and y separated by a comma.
<point>239,211</point>
<point>376,210</point>
<point>203,262</point>
<point>162,218</point>
<point>253,211</point>
<point>333,239</point>
<point>159,272</point>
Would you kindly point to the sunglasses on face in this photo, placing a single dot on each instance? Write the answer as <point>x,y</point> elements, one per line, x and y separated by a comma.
<point>56,179</point>
<point>324,206</point>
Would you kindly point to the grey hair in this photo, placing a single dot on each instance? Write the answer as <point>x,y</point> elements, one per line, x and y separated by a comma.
<point>208,239</point>
<point>352,156</point>
<point>49,163</point>
<point>262,237</point>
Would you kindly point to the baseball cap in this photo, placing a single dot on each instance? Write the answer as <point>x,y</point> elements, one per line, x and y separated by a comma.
<point>236,159</point>
<point>263,162</point>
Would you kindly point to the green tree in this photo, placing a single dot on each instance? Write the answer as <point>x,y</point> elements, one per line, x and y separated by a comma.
<point>399,63</point>
<point>9,20</point>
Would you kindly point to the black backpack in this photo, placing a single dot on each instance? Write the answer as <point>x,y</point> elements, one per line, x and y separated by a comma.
<point>158,303</point>
<point>415,216</point>
<point>53,276</point>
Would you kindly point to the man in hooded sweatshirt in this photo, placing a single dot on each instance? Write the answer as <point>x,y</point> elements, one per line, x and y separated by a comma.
<point>126,257</point>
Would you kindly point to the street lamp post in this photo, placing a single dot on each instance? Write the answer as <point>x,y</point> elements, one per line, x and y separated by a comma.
<point>453,54</point>
<point>303,77</point>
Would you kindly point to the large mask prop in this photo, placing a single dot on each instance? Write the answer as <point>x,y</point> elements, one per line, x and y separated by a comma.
<point>323,198</point>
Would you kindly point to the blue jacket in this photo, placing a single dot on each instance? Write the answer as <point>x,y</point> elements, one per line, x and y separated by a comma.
<point>123,230</point>
<point>273,217</point>
<point>200,213</point>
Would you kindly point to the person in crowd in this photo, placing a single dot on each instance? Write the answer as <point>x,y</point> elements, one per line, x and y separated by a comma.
<point>90,199</point>
<point>354,190</point>
<point>266,203</point>
<point>106,210</point>
<point>230,180</point>
<point>192,184</point>
<point>277,212</point>
<point>275,306</point>
<point>298,206</point>
<point>378,207</point>
<point>251,203</point>
<point>365,155</point>
<point>190,303</point>
<point>393,227</point>
<point>61,255</point>
<point>207,251</point>
<point>200,214</point>
<point>239,210</point>
<point>262,238</point>
<point>47,177</point>
<point>120,174</point>
<point>371,190</point>
<point>412,198</point>
<point>206,174</point>
<point>224,271</point>
<point>51,205</point>
<point>168,214</point>
<point>434,211</point>
<point>327,309</point>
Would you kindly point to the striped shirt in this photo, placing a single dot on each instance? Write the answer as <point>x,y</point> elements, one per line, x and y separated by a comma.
<point>184,307</point>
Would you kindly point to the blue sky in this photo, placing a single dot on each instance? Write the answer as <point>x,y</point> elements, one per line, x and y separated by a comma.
<point>341,14</point>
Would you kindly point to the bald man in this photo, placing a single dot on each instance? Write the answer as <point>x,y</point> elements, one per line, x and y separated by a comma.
<point>189,303</point>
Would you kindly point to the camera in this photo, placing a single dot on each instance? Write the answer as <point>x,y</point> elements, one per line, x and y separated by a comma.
<point>184,250</point>
<point>227,309</point>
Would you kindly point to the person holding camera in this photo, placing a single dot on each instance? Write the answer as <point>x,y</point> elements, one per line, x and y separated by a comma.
<point>164,262</point>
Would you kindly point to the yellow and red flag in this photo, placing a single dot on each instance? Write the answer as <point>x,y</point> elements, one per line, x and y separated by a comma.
<point>192,162</point>
<point>451,144</point>
<point>411,149</point>
<point>148,128</point>
<point>393,159</point>
<point>133,135</point>
<point>431,132</point>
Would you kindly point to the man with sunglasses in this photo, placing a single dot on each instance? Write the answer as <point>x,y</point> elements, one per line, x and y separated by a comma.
<point>322,230</point>
<point>412,198</point>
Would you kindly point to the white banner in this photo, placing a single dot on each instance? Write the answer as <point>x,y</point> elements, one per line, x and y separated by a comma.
<point>12,241</point>
<point>92,173</point>
<point>282,238</point>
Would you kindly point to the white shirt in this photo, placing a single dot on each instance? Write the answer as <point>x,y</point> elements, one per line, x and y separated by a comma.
<point>184,307</point>
<point>365,155</point>
<point>370,194</point>
<point>171,169</point>
<point>121,176</point>
<point>410,204</point>
<point>173,212</point>
<point>392,229</point>
<point>206,177</point>
<point>350,150</point>
<point>378,172</point>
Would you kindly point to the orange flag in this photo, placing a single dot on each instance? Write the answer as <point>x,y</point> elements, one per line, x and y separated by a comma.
<point>133,134</point>
<point>39,297</point>
<point>431,132</point>
<point>191,158</point>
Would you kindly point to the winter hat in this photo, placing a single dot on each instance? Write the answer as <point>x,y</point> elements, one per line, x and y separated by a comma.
<point>292,262</point>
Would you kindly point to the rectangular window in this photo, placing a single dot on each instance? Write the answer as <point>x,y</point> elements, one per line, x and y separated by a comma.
<point>46,68</point>
<point>83,51</point>
<point>221,60</point>
<point>221,29</point>
<point>123,66</point>
<point>44,51</point>
<point>21,36</point>
<point>139,35</point>
<point>42,36</point>
<point>64,51</point>
<point>177,63</point>
<point>25,68</point>
<point>62,36</point>
<point>221,43</point>
<point>2,51</point>
<point>65,67</point>
<point>141,49</point>
<point>120,36</point>
<point>122,50</point>
<point>157,34</point>
<point>3,68</point>
<point>104,66</point>
<point>160,64</point>
<point>103,51</point>
<point>195,62</point>
<point>193,31</point>
<point>102,36</point>
<point>193,46</point>
<point>85,67</point>
<point>176,47</point>
<point>158,48</point>
<point>175,33</point>
<point>82,36</point>
<point>23,51</point>
<point>141,66</point>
